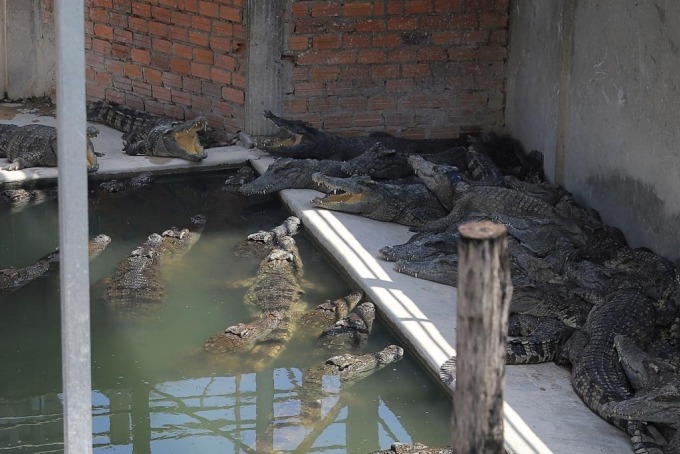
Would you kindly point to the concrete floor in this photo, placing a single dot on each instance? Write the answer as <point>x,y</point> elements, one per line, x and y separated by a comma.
<point>542,412</point>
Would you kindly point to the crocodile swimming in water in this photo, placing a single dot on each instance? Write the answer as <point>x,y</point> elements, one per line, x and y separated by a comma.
<point>410,204</point>
<point>137,285</point>
<point>276,288</point>
<point>151,135</point>
<point>305,141</point>
<point>36,146</point>
<point>14,278</point>
<point>323,383</point>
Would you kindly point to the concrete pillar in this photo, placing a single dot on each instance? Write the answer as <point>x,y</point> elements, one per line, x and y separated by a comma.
<point>264,75</point>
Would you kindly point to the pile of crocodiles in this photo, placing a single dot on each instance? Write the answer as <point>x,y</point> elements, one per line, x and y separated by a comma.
<point>582,297</point>
<point>35,145</point>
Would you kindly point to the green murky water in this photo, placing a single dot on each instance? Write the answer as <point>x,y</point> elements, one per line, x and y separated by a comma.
<point>152,392</point>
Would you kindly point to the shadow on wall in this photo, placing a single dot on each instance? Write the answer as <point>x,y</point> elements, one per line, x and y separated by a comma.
<point>640,213</point>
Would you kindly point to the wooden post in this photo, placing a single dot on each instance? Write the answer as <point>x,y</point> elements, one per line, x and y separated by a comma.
<point>484,292</point>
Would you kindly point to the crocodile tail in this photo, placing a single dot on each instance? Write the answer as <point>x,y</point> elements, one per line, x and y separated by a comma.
<point>118,117</point>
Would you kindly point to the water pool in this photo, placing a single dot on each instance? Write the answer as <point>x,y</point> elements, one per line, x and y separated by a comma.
<point>150,392</point>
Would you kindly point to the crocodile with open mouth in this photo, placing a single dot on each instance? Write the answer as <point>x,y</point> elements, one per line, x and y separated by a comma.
<point>36,146</point>
<point>304,141</point>
<point>151,135</point>
<point>409,204</point>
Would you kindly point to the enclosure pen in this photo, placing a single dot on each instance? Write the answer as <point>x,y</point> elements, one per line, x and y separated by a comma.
<point>73,226</point>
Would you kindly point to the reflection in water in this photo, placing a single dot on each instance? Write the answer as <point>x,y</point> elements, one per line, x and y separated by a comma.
<point>151,393</point>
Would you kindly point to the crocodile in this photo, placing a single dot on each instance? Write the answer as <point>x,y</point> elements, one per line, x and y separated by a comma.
<point>597,375</point>
<point>22,197</point>
<point>14,278</point>
<point>351,331</point>
<point>329,313</point>
<point>657,390</point>
<point>151,135</point>
<point>244,175</point>
<point>290,173</point>
<point>36,146</point>
<point>534,339</point>
<point>379,162</point>
<point>304,141</point>
<point>410,204</point>
<point>276,288</point>
<point>261,242</point>
<point>346,369</point>
<point>243,336</point>
<point>137,285</point>
<point>142,180</point>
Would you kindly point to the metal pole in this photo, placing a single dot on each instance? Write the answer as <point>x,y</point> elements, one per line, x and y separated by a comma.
<point>73,226</point>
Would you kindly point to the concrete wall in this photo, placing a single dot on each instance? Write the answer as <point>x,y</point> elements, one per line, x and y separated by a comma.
<point>594,86</point>
<point>27,49</point>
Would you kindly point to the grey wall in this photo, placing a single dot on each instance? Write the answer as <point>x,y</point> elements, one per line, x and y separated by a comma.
<point>27,49</point>
<point>594,85</point>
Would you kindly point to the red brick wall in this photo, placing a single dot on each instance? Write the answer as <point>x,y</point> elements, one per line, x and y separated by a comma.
<point>420,68</point>
<point>179,58</point>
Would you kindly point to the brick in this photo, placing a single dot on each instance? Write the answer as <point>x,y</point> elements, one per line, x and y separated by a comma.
<point>341,25</point>
<point>173,111</point>
<point>300,9</point>
<point>115,67</point>
<point>211,89</point>
<point>161,93</point>
<point>418,7</point>
<point>338,121</point>
<point>133,71</point>
<point>123,6</point>
<point>171,80</point>
<point>191,84</point>
<point>323,73</point>
<point>220,44</point>
<point>180,65</point>
<point>403,54</point>
<point>199,38</point>
<point>138,24</point>
<point>308,89</point>
<point>118,20</point>
<point>232,94</point>
<point>371,56</point>
<point>141,40</point>
<point>158,29</point>
<point>308,26</point>
<point>122,36</point>
<point>203,56</point>
<point>238,80</point>
<point>220,75</point>
<point>448,6</point>
<point>493,20</point>
<point>161,45</point>
<point>103,32</point>
<point>179,97</point>
<point>140,56</point>
<point>402,23</point>
<point>356,41</point>
<point>160,61</point>
<point>223,28</point>
<point>322,42</point>
<point>190,6</point>
<point>119,51</point>
<point>295,106</point>
<point>381,103</point>
<point>200,70</point>
<point>325,9</point>
<point>225,62</point>
<point>340,87</point>
<point>370,25</point>
<point>368,119</point>
<point>353,72</point>
<point>141,9</point>
<point>417,70</point>
<point>415,101</point>
<point>161,14</point>
<point>311,58</point>
<point>352,103</point>
<point>498,37</point>
<point>182,50</point>
<point>432,54</point>
<point>99,15</point>
<point>230,14</point>
<point>386,40</point>
<point>342,57</point>
<point>399,84</point>
<point>181,19</point>
<point>322,104</point>
<point>153,76</point>
<point>201,23</point>
<point>298,43</point>
<point>357,9</point>
<point>385,71</point>
<point>208,9</point>
<point>102,4</point>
